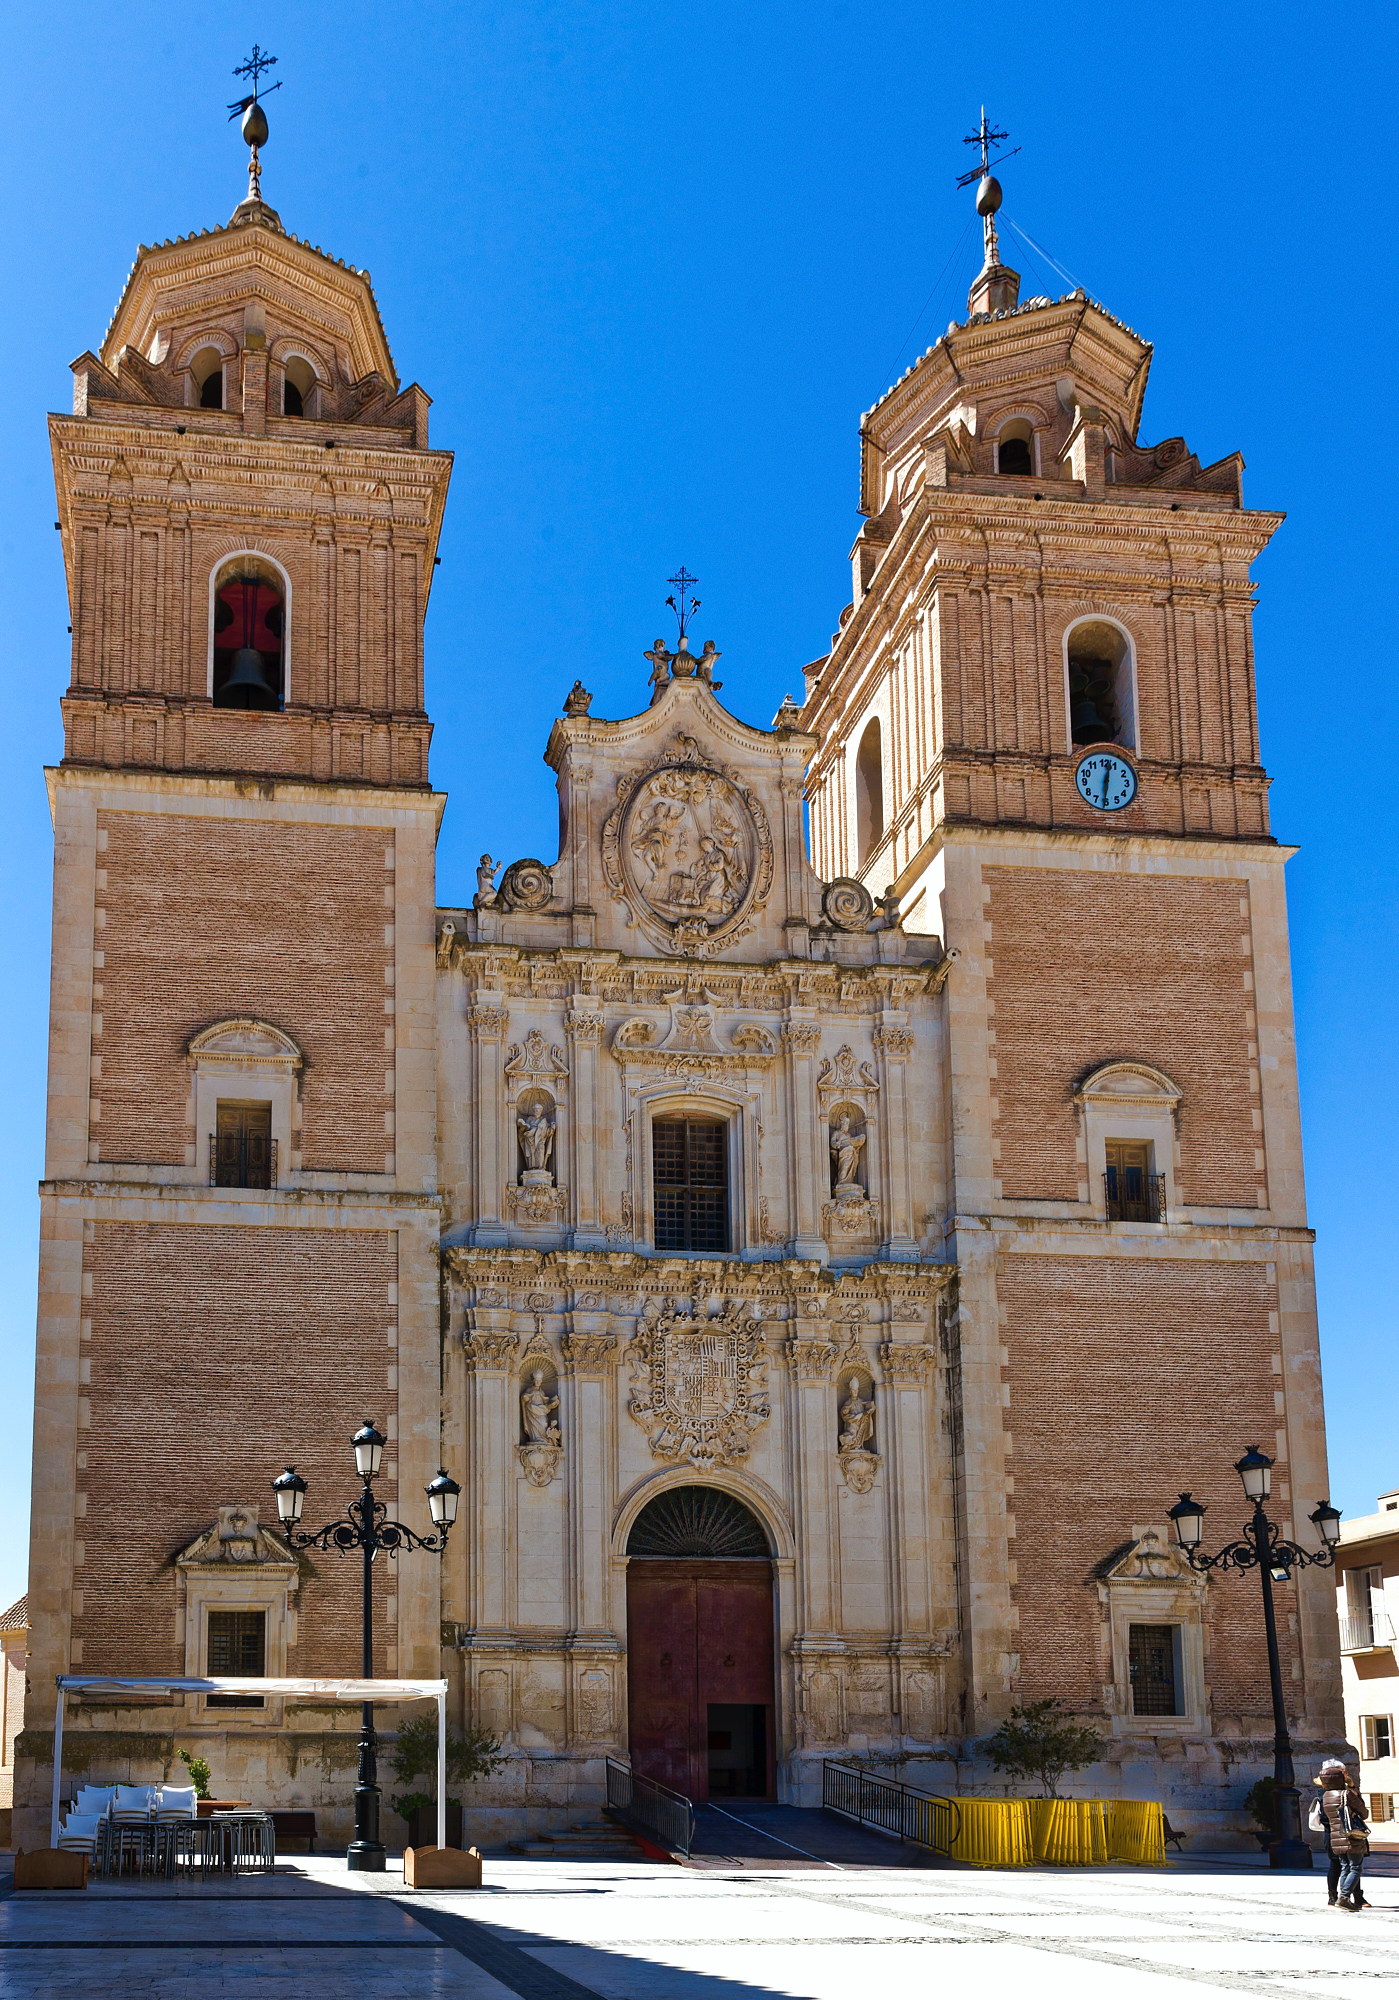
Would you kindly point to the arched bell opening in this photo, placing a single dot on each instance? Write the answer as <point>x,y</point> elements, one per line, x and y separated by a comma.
<point>869,792</point>
<point>700,1651</point>
<point>1098,664</point>
<point>249,614</point>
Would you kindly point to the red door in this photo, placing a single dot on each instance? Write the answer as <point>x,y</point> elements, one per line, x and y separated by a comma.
<point>700,1675</point>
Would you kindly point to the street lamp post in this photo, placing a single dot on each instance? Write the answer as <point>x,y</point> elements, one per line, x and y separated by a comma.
<point>365,1526</point>
<point>1264,1549</point>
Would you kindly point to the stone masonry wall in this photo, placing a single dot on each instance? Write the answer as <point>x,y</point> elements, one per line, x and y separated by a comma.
<point>1088,968</point>
<point>217,1355</point>
<point>201,920</point>
<point>1130,1380</point>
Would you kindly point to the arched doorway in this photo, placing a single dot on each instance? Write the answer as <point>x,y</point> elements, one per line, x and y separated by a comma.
<point>700,1646</point>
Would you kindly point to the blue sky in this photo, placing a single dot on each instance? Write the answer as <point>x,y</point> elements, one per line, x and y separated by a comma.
<point>652,262</point>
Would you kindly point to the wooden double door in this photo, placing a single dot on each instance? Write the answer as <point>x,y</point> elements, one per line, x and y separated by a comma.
<point>700,1685</point>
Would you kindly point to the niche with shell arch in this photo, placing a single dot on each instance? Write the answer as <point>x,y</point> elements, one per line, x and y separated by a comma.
<point>857,1446</point>
<point>535,1143</point>
<point>539,1400</point>
<point>847,1124</point>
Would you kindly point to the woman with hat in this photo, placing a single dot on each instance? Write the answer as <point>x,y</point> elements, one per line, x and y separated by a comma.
<point>1340,1812</point>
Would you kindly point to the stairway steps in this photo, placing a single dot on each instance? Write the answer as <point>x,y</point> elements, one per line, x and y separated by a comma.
<point>602,1838</point>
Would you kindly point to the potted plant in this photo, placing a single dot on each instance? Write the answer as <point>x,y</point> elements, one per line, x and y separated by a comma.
<point>198,1773</point>
<point>414,1755</point>
<point>1261,1804</point>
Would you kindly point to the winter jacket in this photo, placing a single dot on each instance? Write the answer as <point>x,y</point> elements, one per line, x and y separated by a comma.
<point>1345,1822</point>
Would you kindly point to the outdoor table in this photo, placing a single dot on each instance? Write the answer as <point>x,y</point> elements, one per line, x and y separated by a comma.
<point>207,1807</point>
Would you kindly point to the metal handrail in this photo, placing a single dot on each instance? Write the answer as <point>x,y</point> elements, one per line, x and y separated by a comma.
<point>653,1810</point>
<point>894,1807</point>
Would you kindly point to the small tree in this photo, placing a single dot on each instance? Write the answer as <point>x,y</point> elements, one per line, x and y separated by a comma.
<point>198,1772</point>
<point>473,1755</point>
<point>1261,1804</point>
<point>1040,1741</point>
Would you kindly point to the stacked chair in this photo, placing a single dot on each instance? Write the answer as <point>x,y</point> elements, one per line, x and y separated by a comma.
<point>147,1825</point>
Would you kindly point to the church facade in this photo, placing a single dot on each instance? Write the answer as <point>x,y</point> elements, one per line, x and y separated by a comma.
<point>820,1265</point>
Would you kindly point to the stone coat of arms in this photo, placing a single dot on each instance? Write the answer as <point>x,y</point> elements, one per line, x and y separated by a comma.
<point>697,1385</point>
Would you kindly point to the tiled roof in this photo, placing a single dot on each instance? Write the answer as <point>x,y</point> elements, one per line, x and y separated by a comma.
<point>17,1617</point>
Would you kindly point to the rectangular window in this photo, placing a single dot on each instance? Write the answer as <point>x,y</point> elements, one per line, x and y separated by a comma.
<point>1151,1665</point>
<point>1381,1806</point>
<point>1360,1626</point>
<point>690,1159</point>
<point>1377,1736</point>
<point>1134,1192</point>
<point>243,1149</point>
<point>237,1648</point>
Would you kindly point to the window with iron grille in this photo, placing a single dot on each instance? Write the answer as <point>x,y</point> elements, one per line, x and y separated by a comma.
<point>690,1163</point>
<point>243,1147</point>
<point>1151,1665</point>
<point>237,1648</point>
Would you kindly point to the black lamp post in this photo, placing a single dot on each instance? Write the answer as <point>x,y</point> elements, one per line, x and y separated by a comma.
<point>365,1526</point>
<point>1264,1549</point>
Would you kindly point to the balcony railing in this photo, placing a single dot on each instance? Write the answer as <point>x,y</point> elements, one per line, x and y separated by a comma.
<point>1366,1631</point>
<point>245,1173</point>
<point>1142,1198</point>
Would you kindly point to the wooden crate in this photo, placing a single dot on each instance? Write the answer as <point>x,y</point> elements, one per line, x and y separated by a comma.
<point>50,1868</point>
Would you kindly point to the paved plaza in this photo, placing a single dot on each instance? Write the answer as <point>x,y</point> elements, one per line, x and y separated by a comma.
<point>760,1920</point>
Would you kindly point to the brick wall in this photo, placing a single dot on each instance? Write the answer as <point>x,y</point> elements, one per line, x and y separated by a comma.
<point>219,1354</point>
<point>1092,968</point>
<point>1129,1381</point>
<point>208,919</point>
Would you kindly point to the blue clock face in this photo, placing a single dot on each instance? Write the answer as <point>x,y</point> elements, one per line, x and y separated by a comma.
<point>1105,781</point>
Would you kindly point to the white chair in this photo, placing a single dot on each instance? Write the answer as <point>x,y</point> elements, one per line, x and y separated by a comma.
<point>95,1799</point>
<point>177,1802</point>
<point>132,1803</point>
<point>80,1833</point>
<point>131,1825</point>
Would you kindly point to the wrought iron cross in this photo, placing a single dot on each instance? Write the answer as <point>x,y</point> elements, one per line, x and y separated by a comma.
<point>686,608</point>
<point>257,62</point>
<point>986,136</point>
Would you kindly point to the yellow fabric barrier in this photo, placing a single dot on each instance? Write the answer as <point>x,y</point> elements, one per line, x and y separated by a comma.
<point>1072,1833</point>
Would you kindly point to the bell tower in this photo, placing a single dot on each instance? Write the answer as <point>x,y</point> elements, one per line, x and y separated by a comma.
<point>1038,727</point>
<point>239,1210</point>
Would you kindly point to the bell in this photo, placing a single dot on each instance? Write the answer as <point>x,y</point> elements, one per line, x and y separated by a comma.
<point>1088,725</point>
<point>247,686</point>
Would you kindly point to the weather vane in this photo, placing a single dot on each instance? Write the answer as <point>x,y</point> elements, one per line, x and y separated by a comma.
<point>254,126</point>
<point>986,138</point>
<point>687,606</point>
<point>257,62</point>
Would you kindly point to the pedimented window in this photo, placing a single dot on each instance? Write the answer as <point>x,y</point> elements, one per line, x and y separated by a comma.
<point>245,1104</point>
<point>1127,1149</point>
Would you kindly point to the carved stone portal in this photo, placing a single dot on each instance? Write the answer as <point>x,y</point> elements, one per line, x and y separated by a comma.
<point>697,1385</point>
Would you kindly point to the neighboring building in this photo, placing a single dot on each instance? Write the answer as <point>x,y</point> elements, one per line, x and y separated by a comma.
<point>1367,1604</point>
<point>821,1307</point>
<point>14,1638</point>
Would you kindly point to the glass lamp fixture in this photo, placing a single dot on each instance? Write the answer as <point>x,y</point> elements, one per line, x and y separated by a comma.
<point>1189,1518</point>
<point>1255,1469</point>
<point>290,1489</point>
<point>369,1449</point>
<point>1326,1519</point>
<point>442,1497</point>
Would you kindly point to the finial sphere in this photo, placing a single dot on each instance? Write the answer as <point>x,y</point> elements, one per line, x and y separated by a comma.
<point>988,195</point>
<point>254,126</point>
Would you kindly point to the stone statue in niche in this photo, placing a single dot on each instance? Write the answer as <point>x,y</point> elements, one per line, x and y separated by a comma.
<point>846,1148</point>
<point>536,1130</point>
<point>542,1450</point>
<point>854,1442</point>
<point>856,1418</point>
<point>537,1409</point>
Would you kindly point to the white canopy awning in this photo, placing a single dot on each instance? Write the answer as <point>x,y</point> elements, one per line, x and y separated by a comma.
<point>305,1690</point>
